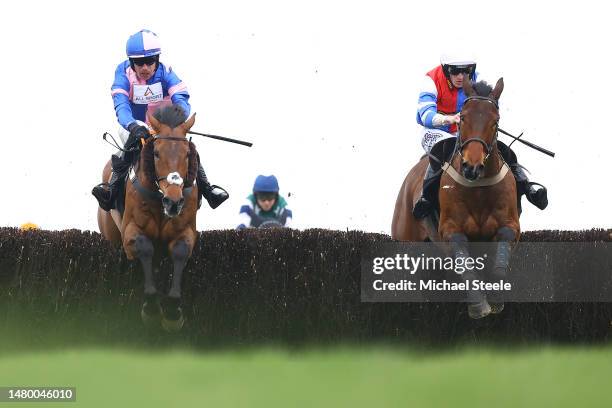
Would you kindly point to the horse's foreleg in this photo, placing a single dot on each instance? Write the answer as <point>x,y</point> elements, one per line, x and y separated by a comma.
<point>478,306</point>
<point>180,250</point>
<point>505,237</point>
<point>138,245</point>
<point>180,253</point>
<point>144,252</point>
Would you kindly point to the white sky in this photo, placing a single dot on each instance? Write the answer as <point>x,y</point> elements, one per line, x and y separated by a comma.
<point>326,91</point>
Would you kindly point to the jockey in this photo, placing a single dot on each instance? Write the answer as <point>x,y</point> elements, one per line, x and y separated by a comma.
<point>142,83</point>
<point>265,204</point>
<point>440,102</point>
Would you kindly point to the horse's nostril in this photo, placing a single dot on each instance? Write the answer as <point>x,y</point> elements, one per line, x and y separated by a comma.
<point>470,172</point>
<point>172,207</point>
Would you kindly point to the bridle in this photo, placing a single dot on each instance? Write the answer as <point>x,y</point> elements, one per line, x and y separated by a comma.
<point>171,178</point>
<point>460,145</point>
<point>487,146</point>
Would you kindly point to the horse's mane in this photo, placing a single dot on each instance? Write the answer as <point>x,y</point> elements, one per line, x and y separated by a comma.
<point>171,115</point>
<point>482,88</point>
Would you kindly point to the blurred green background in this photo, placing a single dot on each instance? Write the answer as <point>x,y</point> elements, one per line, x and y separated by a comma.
<point>373,376</point>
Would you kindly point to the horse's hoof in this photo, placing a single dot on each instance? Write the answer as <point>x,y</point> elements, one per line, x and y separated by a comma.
<point>499,273</point>
<point>151,311</point>
<point>172,314</point>
<point>479,310</point>
<point>150,320</point>
<point>172,326</point>
<point>496,308</point>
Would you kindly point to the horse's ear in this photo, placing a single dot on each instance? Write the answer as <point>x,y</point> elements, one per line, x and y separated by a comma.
<point>467,86</point>
<point>189,123</point>
<point>154,122</point>
<point>499,87</point>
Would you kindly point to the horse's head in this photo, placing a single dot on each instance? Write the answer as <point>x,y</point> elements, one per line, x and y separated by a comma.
<point>169,158</point>
<point>478,126</point>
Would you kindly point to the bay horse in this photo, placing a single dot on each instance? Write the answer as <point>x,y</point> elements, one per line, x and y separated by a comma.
<point>477,197</point>
<point>161,202</point>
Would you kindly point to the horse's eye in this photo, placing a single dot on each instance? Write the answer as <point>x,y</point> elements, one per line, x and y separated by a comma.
<point>156,154</point>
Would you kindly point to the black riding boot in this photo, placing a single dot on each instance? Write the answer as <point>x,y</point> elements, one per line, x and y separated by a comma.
<point>214,194</point>
<point>107,193</point>
<point>426,203</point>
<point>537,197</point>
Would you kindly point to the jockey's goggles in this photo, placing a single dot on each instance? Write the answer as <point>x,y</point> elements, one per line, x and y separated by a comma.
<point>461,69</point>
<point>145,61</point>
<point>265,196</point>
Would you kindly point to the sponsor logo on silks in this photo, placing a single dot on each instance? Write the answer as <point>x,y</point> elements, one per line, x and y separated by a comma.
<point>430,139</point>
<point>146,94</point>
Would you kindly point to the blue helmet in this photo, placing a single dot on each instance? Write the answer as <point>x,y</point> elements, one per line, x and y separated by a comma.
<point>144,43</point>
<point>265,184</point>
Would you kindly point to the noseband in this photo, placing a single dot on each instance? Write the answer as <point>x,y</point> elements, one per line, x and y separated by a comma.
<point>488,147</point>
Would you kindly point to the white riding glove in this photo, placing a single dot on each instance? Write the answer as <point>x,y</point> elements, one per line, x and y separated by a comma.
<point>441,120</point>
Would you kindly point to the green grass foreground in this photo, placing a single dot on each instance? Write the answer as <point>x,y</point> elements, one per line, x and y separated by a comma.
<point>351,377</point>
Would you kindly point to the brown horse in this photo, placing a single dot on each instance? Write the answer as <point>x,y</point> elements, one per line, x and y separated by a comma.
<point>477,195</point>
<point>161,202</point>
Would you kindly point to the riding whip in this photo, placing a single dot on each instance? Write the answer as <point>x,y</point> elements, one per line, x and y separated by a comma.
<point>225,139</point>
<point>525,142</point>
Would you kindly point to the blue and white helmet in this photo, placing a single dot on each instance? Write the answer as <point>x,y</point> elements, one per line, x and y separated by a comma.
<point>265,184</point>
<point>144,43</point>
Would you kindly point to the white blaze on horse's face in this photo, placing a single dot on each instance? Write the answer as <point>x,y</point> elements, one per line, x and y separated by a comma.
<point>173,206</point>
<point>174,178</point>
<point>173,200</point>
